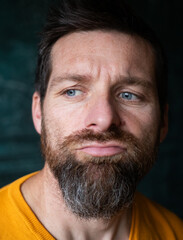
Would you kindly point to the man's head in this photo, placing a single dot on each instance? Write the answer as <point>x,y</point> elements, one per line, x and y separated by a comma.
<point>100,117</point>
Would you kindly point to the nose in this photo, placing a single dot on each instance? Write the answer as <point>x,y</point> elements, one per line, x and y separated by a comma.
<point>101,115</point>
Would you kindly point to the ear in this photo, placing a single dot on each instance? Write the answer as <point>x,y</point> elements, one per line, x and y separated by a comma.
<point>36,111</point>
<point>164,125</point>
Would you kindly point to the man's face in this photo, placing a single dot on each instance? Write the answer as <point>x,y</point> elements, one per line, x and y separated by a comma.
<point>100,111</point>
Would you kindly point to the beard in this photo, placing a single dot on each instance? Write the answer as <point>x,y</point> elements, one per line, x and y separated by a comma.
<point>98,187</point>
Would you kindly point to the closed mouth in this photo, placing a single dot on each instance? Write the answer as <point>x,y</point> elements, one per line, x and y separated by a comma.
<point>108,149</point>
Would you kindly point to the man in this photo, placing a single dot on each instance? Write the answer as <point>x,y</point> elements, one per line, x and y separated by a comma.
<point>100,108</point>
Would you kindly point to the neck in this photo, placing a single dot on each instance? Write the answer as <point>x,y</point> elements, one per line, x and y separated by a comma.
<point>43,195</point>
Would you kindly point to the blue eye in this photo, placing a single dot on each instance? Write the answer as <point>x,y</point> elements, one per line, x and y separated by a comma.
<point>73,92</point>
<point>70,92</point>
<point>128,96</point>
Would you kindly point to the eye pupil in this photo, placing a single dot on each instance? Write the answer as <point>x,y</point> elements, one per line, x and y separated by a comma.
<point>127,95</point>
<point>71,92</point>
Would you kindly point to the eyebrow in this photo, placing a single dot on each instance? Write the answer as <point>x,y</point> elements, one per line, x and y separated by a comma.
<point>70,77</point>
<point>133,81</point>
<point>136,81</point>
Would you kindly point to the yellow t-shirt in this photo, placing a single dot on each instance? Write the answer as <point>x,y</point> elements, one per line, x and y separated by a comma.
<point>150,221</point>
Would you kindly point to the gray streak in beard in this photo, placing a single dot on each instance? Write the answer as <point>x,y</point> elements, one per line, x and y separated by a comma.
<point>96,190</point>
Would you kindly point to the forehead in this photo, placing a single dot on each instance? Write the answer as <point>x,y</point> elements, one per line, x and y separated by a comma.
<point>99,53</point>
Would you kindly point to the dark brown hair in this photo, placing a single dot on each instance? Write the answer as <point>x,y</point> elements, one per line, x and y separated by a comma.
<point>86,15</point>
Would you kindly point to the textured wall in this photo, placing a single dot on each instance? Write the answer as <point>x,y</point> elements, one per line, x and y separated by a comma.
<point>20,22</point>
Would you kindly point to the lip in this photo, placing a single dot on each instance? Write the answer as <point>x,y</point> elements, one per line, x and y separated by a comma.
<point>99,150</point>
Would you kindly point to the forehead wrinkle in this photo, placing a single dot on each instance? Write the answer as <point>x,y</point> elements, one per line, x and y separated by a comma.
<point>84,69</point>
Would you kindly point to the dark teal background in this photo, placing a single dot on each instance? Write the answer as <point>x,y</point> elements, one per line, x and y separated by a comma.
<point>20,23</point>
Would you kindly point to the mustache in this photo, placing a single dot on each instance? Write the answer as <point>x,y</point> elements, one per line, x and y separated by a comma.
<point>113,133</point>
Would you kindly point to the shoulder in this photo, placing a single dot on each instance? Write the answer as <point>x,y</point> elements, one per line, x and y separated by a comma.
<point>156,219</point>
<point>10,195</point>
<point>7,191</point>
<point>11,205</point>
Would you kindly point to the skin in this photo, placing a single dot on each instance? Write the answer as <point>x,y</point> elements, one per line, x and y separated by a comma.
<point>98,79</point>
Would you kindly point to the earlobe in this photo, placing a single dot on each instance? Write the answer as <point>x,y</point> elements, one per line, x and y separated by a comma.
<point>36,112</point>
<point>164,127</point>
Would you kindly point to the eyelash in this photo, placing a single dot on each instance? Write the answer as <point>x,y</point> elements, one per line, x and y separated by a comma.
<point>135,98</point>
<point>65,92</point>
<point>129,94</point>
<point>71,90</point>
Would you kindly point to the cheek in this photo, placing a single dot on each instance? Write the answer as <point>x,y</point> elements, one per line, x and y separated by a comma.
<point>64,119</point>
<point>142,122</point>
